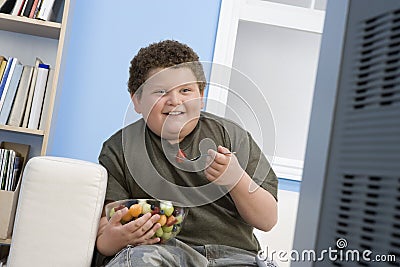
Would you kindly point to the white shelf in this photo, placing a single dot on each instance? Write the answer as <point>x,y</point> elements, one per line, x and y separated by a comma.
<point>21,130</point>
<point>5,241</point>
<point>29,26</point>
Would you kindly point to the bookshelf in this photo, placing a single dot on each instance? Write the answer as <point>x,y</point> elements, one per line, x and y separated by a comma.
<point>26,39</point>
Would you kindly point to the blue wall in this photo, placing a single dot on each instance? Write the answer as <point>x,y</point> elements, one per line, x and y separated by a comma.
<point>103,39</point>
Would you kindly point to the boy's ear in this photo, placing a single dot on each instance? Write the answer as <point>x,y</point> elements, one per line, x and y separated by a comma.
<point>136,103</point>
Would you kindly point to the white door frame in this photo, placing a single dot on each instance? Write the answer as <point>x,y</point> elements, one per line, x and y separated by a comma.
<point>231,12</point>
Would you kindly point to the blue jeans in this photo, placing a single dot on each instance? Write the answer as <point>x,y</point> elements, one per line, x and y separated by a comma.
<point>177,254</point>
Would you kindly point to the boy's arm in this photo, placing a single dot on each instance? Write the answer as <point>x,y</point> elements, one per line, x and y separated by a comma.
<point>256,205</point>
<point>258,208</point>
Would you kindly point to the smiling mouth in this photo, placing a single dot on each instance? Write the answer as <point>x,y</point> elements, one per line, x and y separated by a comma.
<point>174,113</point>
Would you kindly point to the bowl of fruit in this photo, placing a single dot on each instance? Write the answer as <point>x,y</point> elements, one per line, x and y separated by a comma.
<point>171,214</point>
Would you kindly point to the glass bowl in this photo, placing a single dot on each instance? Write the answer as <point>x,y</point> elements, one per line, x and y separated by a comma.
<point>171,214</point>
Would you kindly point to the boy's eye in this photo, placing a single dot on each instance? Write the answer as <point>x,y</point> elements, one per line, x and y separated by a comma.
<point>185,90</point>
<point>161,92</point>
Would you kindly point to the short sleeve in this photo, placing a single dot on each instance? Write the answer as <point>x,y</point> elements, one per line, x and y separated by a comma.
<point>257,166</point>
<point>111,158</point>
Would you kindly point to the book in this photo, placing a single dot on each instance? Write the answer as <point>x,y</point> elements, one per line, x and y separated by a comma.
<point>21,12</point>
<point>9,170</point>
<point>33,8</point>
<point>38,96</point>
<point>47,99</point>
<point>17,168</point>
<point>2,58</point>
<point>18,7</point>
<point>23,8</point>
<point>3,65</point>
<point>37,8</point>
<point>3,168</point>
<point>8,80</point>
<point>45,10</point>
<point>10,95</point>
<point>2,152</point>
<point>18,107</point>
<point>31,90</point>
<point>5,74</point>
<point>7,6</point>
<point>28,8</point>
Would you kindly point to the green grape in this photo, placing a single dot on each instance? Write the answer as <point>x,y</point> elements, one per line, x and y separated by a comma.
<point>146,208</point>
<point>167,207</point>
<point>167,229</point>
<point>169,210</point>
<point>166,236</point>
<point>179,219</point>
<point>159,232</point>
<point>112,211</point>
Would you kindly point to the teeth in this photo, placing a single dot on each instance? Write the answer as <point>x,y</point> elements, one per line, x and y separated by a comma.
<point>174,113</point>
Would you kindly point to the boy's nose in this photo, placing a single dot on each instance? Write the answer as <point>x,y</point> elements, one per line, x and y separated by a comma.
<point>174,99</point>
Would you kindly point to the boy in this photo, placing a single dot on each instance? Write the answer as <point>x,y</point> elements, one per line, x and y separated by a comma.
<point>228,194</point>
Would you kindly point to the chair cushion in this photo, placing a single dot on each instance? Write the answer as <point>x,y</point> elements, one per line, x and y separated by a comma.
<point>58,212</point>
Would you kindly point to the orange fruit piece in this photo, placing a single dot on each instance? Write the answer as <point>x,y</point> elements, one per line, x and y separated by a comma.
<point>127,217</point>
<point>135,210</point>
<point>171,220</point>
<point>162,220</point>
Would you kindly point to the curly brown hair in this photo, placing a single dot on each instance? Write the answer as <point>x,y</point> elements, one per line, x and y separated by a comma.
<point>164,54</point>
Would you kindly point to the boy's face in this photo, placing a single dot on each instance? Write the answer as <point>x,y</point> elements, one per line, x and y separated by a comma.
<point>170,102</point>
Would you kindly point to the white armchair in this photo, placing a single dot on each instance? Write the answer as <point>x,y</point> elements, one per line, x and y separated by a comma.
<point>58,211</point>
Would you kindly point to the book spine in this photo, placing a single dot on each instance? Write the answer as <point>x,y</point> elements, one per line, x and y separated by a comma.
<point>47,98</point>
<point>31,90</point>
<point>7,83</point>
<point>2,68</point>
<point>33,9</point>
<point>2,155</point>
<point>16,172</point>
<point>21,13</point>
<point>10,170</point>
<point>5,75</point>
<point>3,171</point>
<point>38,96</point>
<point>45,10</point>
<point>28,8</point>
<point>10,95</point>
<point>18,108</point>
<point>18,7</point>
<point>37,8</point>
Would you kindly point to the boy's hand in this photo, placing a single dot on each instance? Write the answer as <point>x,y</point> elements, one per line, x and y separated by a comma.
<point>223,169</point>
<point>116,236</point>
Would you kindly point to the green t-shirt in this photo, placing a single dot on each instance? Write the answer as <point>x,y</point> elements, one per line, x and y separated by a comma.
<point>124,155</point>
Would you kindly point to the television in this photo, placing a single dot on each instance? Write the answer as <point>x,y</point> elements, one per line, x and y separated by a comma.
<point>349,205</point>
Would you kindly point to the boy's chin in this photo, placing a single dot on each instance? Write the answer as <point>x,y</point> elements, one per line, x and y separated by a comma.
<point>174,136</point>
<point>171,136</point>
<point>177,131</point>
